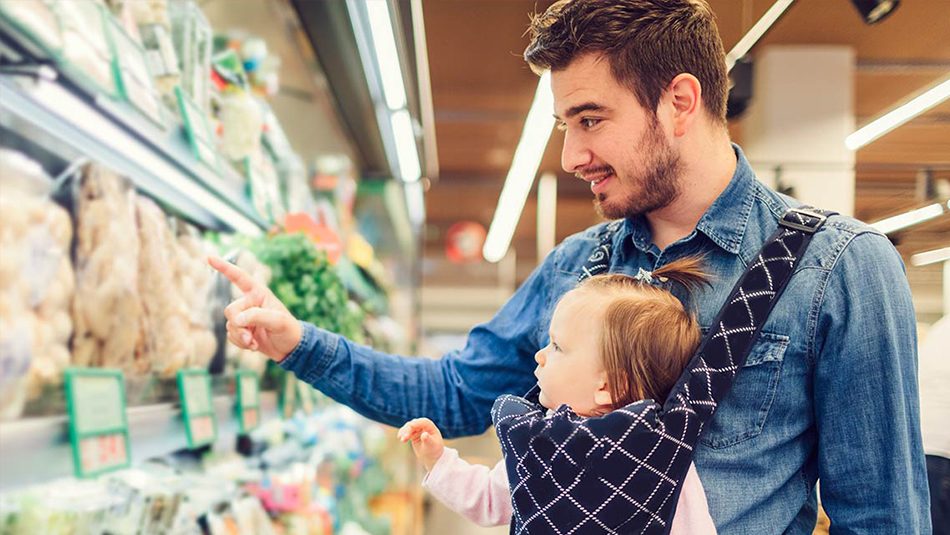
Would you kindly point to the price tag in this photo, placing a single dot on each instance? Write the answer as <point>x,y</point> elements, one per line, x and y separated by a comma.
<point>194,387</point>
<point>199,133</point>
<point>248,400</point>
<point>98,428</point>
<point>305,395</point>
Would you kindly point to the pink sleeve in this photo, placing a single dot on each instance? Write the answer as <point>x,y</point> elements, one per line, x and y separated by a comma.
<point>692,512</point>
<point>474,491</point>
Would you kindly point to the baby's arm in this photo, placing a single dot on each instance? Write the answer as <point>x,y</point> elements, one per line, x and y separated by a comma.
<point>476,492</point>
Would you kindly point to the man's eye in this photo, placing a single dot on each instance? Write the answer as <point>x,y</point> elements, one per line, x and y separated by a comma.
<point>561,125</point>
<point>589,123</point>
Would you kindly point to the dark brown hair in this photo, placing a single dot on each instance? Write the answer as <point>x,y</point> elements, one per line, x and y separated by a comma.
<point>648,335</point>
<point>646,42</point>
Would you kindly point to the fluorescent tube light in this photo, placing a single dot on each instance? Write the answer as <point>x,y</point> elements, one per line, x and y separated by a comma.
<point>406,152</point>
<point>931,257</point>
<point>387,59</point>
<point>524,166</point>
<point>907,219</point>
<point>756,32</point>
<point>898,116</point>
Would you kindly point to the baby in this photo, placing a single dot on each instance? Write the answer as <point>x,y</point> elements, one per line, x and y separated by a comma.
<point>614,340</point>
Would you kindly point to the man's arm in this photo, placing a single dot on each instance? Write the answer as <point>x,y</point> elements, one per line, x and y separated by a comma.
<point>455,391</point>
<point>870,457</point>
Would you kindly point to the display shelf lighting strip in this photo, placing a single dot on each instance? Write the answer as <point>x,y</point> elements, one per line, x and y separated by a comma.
<point>376,42</point>
<point>63,115</point>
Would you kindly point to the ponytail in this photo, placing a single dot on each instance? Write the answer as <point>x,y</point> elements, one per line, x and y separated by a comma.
<point>649,334</point>
<point>687,272</point>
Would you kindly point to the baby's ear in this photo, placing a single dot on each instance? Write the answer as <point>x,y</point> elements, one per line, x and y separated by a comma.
<point>602,395</point>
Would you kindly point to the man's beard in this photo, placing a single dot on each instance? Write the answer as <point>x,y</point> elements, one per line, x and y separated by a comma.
<point>659,182</point>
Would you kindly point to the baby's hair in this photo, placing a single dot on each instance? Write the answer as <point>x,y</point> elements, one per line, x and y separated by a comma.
<point>648,335</point>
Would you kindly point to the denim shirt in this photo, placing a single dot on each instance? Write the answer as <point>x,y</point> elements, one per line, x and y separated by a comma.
<point>829,390</point>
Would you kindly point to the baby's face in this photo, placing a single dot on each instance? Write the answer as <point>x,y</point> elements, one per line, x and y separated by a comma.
<point>570,369</point>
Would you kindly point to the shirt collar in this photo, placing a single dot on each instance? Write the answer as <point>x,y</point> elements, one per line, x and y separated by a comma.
<point>725,220</point>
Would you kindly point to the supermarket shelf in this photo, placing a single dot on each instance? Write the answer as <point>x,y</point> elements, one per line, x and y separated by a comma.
<point>36,450</point>
<point>50,114</point>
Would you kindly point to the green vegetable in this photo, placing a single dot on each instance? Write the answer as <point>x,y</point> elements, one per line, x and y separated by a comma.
<point>303,279</point>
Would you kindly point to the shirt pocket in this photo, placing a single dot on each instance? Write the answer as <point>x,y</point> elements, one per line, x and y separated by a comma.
<point>742,415</point>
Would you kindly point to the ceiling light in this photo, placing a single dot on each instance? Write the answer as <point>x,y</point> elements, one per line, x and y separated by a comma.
<point>900,115</point>
<point>524,166</point>
<point>756,32</point>
<point>907,219</point>
<point>931,257</point>
<point>875,10</point>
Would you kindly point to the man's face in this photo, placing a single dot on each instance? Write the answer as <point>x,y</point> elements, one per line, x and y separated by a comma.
<point>612,142</point>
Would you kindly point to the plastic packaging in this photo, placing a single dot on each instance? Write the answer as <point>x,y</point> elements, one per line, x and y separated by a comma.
<point>196,284</point>
<point>36,283</point>
<point>86,47</point>
<point>37,18</point>
<point>241,119</point>
<point>193,40</point>
<point>107,310</point>
<point>132,73</point>
<point>166,343</point>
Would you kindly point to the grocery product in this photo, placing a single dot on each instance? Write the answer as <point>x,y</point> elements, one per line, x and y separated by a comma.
<point>36,283</point>
<point>107,310</point>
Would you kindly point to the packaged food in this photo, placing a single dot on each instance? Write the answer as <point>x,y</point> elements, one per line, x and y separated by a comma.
<point>107,309</point>
<point>36,283</point>
<point>37,19</point>
<point>86,49</point>
<point>165,346</point>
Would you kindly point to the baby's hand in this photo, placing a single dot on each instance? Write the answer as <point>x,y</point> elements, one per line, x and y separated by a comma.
<point>426,440</point>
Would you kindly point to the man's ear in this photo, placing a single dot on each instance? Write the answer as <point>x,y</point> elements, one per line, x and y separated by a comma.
<point>685,95</point>
<point>602,395</point>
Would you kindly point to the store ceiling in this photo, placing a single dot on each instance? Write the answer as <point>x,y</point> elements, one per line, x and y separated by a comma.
<point>482,90</point>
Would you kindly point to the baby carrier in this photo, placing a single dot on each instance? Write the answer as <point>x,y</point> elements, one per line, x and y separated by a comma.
<point>622,472</point>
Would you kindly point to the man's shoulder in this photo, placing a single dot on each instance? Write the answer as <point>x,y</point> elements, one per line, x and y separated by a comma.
<point>837,236</point>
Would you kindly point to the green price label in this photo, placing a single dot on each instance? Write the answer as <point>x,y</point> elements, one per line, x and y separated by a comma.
<point>194,387</point>
<point>98,428</point>
<point>248,400</point>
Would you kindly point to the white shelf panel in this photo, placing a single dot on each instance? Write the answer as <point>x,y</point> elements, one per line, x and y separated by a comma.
<point>36,450</point>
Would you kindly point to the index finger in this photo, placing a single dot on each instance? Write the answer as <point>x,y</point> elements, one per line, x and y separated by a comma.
<point>233,273</point>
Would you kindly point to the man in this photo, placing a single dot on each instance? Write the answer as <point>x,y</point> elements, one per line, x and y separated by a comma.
<point>829,390</point>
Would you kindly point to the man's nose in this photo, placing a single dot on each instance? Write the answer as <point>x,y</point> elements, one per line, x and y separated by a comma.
<point>574,155</point>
